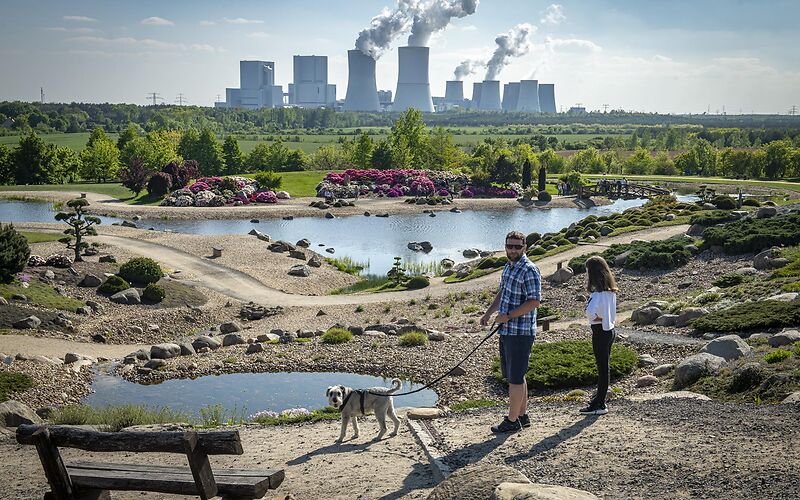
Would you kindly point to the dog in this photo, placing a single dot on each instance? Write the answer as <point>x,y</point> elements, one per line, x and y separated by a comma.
<point>355,402</point>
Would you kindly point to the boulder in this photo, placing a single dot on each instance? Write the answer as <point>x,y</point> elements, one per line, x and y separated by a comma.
<point>621,259</point>
<point>126,223</point>
<point>304,243</point>
<point>692,368</point>
<point>207,342</point>
<point>108,258</point>
<point>305,334</point>
<point>187,349</point>
<point>268,337</point>
<point>329,215</point>
<point>84,310</point>
<point>747,271</point>
<point>315,261</point>
<point>661,370</point>
<point>90,281</point>
<point>769,259</point>
<point>728,347</point>
<point>72,357</point>
<point>645,315</point>
<point>254,348</point>
<point>330,250</point>
<point>136,330</point>
<point>646,381</point>
<point>49,275</point>
<point>280,246</point>
<point>129,296</point>
<point>462,270</point>
<point>689,314</point>
<point>436,336</point>
<point>233,339</point>
<point>14,414</point>
<point>283,195</point>
<point>667,320</point>
<point>230,327</point>
<point>27,323</point>
<point>539,491</point>
<point>471,253</point>
<point>766,212</point>
<point>426,245</point>
<point>696,230</point>
<point>447,263</point>
<point>785,297</point>
<point>561,276</point>
<point>258,234</point>
<point>793,398</point>
<point>786,337</point>
<point>155,364</point>
<point>414,246</point>
<point>424,413</point>
<point>476,482</point>
<point>647,360</point>
<point>165,351</point>
<point>297,254</point>
<point>374,334</point>
<point>300,270</point>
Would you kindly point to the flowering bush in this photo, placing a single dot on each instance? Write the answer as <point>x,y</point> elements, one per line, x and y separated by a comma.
<point>219,191</point>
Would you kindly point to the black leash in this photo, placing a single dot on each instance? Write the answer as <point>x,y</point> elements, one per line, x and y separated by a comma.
<point>426,386</point>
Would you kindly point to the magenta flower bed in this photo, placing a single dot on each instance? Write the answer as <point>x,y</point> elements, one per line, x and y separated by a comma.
<point>397,182</point>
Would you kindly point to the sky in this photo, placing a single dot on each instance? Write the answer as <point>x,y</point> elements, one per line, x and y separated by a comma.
<point>667,56</point>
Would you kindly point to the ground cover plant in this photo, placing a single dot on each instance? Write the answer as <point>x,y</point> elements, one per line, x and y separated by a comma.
<point>660,254</point>
<point>113,284</point>
<point>337,336</point>
<point>712,217</point>
<point>750,316</point>
<point>413,339</point>
<point>40,294</point>
<point>753,235</point>
<point>13,383</point>
<point>764,378</point>
<point>116,418</point>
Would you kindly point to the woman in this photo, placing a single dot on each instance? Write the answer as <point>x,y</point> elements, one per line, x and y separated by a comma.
<point>601,310</point>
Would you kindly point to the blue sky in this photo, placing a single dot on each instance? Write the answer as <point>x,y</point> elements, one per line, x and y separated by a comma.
<point>667,56</point>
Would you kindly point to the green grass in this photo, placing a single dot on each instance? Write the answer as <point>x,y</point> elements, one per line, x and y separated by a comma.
<point>347,264</point>
<point>38,237</point>
<point>777,356</point>
<point>370,283</point>
<point>793,186</point>
<point>413,339</point>
<point>76,141</point>
<point>117,417</point>
<point>300,184</point>
<point>337,336</point>
<point>471,404</point>
<point>42,295</point>
<point>11,383</point>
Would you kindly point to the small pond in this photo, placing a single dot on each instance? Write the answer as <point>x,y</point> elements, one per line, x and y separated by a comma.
<point>244,393</point>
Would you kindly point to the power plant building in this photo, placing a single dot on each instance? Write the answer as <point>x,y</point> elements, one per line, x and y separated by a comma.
<point>476,95</point>
<point>528,100</point>
<point>510,96</point>
<point>311,88</point>
<point>257,87</point>
<point>413,85</point>
<point>490,96</point>
<point>547,97</point>
<point>362,89</point>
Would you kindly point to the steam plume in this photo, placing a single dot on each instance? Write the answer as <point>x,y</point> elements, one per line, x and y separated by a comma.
<point>384,28</point>
<point>515,43</point>
<point>434,16</point>
<point>468,67</point>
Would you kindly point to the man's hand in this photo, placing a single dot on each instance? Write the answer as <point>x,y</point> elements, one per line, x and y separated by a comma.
<point>485,318</point>
<point>502,318</point>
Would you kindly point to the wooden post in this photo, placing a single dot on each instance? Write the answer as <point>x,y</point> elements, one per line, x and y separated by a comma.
<point>201,467</point>
<point>217,252</point>
<point>60,483</point>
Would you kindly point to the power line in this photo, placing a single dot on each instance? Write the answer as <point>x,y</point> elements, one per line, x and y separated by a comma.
<point>793,110</point>
<point>605,108</point>
<point>181,99</point>
<point>155,96</point>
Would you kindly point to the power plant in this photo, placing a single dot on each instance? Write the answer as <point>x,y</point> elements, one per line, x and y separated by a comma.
<point>490,96</point>
<point>362,89</point>
<point>528,100</point>
<point>547,98</point>
<point>413,86</point>
<point>511,96</point>
<point>454,92</point>
<point>311,88</point>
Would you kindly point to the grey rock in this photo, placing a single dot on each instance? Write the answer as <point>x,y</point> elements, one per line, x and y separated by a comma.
<point>99,338</point>
<point>785,297</point>
<point>621,259</point>
<point>281,246</point>
<point>471,253</point>
<point>304,243</point>
<point>692,368</point>
<point>46,412</point>
<point>661,370</point>
<point>230,327</point>
<point>330,250</point>
<point>561,276</point>
<point>254,348</point>
<point>315,261</point>
<point>606,230</point>
<point>136,330</point>
<point>356,330</point>
<point>447,263</point>
<point>646,381</point>
<point>786,337</point>
<point>297,254</point>
<point>49,275</point>
<point>539,491</point>
<point>793,398</point>
<point>108,258</point>
<point>728,347</point>
<point>233,339</point>
<point>165,351</point>
<point>258,234</point>
<point>27,323</point>
<point>84,310</point>
<point>414,246</point>
<point>19,297</point>
<point>129,296</point>
<point>689,314</point>
<point>72,357</point>
<point>90,281</point>
<point>300,270</point>
<point>474,482</point>
<point>187,349</point>
<point>667,320</point>
<point>457,371</point>
<point>329,215</point>
<point>204,341</point>
<point>155,364</point>
<point>647,360</point>
<point>268,337</point>
<point>96,307</point>
<point>769,259</point>
<point>645,315</point>
<point>13,414</point>
<point>3,301</point>
<point>766,212</point>
<point>436,336</point>
<point>426,245</point>
<point>305,334</point>
<point>696,230</point>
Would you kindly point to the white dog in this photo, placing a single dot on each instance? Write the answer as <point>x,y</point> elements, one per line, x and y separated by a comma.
<point>354,402</point>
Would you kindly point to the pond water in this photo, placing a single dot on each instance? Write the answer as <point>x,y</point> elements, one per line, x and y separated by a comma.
<point>370,240</point>
<point>244,393</point>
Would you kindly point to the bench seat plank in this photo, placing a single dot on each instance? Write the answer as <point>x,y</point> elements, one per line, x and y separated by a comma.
<point>165,479</point>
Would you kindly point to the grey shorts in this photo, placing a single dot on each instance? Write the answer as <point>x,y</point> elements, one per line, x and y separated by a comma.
<point>515,353</point>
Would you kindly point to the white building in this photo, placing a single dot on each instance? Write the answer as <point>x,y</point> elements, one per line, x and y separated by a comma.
<point>311,88</point>
<point>257,87</point>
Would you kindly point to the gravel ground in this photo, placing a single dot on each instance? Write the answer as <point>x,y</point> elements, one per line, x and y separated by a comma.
<point>54,384</point>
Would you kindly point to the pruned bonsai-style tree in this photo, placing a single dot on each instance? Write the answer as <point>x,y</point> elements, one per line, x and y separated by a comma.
<point>80,225</point>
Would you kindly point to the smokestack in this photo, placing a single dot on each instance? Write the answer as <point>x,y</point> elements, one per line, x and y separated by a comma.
<point>490,96</point>
<point>362,90</point>
<point>528,96</point>
<point>547,97</point>
<point>510,96</point>
<point>476,95</point>
<point>413,86</point>
<point>454,91</point>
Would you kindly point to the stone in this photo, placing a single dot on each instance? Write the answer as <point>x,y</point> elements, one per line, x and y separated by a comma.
<point>447,263</point>
<point>165,351</point>
<point>661,370</point>
<point>155,364</point>
<point>288,217</point>
<point>471,253</point>
<point>462,270</point>
<point>301,270</point>
<point>83,310</point>
<point>689,314</point>
<point>72,357</point>
<point>646,381</point>
<point>255,348</point>
<point>476,482</point>
<point>283,195</point>
<point>49,275</point>
<point>90,281</point>
<point>766,212</point>
<point>695,230</point>
<point>108,259</point>
<point>747,271</point>
<point>27,323</point>
<point>187,349</point>
<point>793,398</point>
<point>435,336</point>
<point>786,337</point>
<point>13,414</point>
<point>136,330</point>
<point>233,339</point>
<point>258,234</point>
<point>129,296</point>
<point>96,307</point>
<point>254,221</point>
<point>645,315</point>
<point>315,261</point>
<point>692,368</point>
<point>230,327</point>
<point>268,337</point>
<point>329,215</point>
<point>304,243</point>
<point>330,250</point>
<point>305,334</point>
<point>281,246</point>
<point>126,223</point>
<point>769,259</point>
<point>426,245</point>
<point>356,330</point>
<point>728,347</point>
<point>667,320</point>
<point>46,412</point>
<point>414,246</point>
<point>204,341</point>
<point>539,491</point>
<point>457,371</point>
<point>3,301</point>
<point>19,297</point>
<point>297,254</point>
<point>561,276</point>
<point>99,338</point>
<point>785,297</point>
<point>647,360</point>
<point>621,259</point>
<point>374,334</point>
<point>424,413</point>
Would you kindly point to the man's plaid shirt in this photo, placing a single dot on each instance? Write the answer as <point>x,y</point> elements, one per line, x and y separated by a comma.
<point>520,283</point>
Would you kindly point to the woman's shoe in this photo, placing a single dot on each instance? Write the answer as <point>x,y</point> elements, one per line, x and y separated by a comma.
<point>594,409</point>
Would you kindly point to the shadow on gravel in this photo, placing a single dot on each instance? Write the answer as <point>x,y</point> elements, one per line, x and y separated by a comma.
<point>475,452</point>
<point>556,439</point>
<point>420,478</point>
<point>331,449</point>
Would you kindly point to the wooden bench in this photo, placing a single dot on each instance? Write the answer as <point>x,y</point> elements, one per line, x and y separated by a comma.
<point>82,480</point>
<point>545,322</point>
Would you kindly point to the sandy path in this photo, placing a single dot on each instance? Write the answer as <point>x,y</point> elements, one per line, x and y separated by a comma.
<point>57,348</point>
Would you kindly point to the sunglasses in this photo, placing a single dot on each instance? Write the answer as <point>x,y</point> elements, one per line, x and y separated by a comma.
<point>514,247</point>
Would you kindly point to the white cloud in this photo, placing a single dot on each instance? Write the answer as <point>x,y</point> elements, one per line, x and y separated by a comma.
<point>572,45</point>
<point>71,30</point>
<point>157,21</point>
<point>241,20</point>
<point>80,19</point>
<point>469,27</point>
<point>144,43</point>
<point>554,14</point>
<point>258,34</point>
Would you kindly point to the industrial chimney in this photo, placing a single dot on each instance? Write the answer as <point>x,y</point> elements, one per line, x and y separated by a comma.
<point>490,96</point>
<point>528,96</point>
<point>510,96</point>
<point>413,87</point>
<point>476,95</point>
<point>547,97</point>
<point>454,92</point>
<point>362,90</point>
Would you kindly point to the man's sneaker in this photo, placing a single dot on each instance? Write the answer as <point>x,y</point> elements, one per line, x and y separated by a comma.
<point>507,426</point>
<point>525,420</point>
<point>594,409</point>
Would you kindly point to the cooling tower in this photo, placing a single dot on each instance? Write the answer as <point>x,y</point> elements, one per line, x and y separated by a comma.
<point>528,96</point>
<point>476,95</point>
<point>490,96</point>
<point>547,97</point>
<point>362,91</point>
<point>454,91</point>
<point>413,87</point>
<point>510,96</point>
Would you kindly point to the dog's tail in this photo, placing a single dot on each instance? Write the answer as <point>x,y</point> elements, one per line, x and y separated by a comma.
<point>396,386</point>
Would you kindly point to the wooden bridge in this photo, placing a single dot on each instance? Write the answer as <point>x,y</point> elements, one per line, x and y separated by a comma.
<point>624,191</point>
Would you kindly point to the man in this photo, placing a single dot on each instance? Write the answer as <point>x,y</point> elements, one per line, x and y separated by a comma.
<point>516,302</point>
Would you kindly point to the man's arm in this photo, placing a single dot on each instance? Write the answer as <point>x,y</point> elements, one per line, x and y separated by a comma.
<point>491,310</point>
<point>522,310</point>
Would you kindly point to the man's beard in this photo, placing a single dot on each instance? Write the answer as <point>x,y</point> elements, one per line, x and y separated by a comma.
<point>514,259</point>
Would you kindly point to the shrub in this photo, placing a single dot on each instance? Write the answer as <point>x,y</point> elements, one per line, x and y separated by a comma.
<point>11,382</point>
<point>537,250</point>
<point>154,293</point>
<point>751,202</point>
<point>545,196</point>
<point>14,252</point>
<point>711,218</point>
<point>570,363</point>
<point>723,202</point>
<point>413,339</point>
<point>113,285</point>
<point>751,316</point>
<point>487,263</point>
<point>141,270</point>
<point>418,282</point>
<point>532,238</point>
<point>470,309</point>
<point>664,254</point>
<point>730,279</point>
<point>181,173</point>
<point>267,179</point>
<point>777,356</point>
<point>753,235</point>
<point>159,184</point>
<point>337,336</point>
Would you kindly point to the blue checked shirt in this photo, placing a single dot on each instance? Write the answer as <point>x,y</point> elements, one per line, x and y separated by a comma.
<point>520,283</point>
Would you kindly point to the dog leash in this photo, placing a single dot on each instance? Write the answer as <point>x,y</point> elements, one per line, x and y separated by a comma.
<point>428,385</point>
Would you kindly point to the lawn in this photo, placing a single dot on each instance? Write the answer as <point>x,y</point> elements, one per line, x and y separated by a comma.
<point>112,189</point>
<point>42,295</point>
<point>300,184</point>
<point>36,237</point>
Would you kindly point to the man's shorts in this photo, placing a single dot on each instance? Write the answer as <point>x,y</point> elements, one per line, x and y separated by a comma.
<point>515,352</point>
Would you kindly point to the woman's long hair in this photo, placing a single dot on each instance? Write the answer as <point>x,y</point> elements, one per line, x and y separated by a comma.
<point>599,277</point>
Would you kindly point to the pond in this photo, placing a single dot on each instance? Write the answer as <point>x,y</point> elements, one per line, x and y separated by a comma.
<point>371,240</point>
<point>243,393</point>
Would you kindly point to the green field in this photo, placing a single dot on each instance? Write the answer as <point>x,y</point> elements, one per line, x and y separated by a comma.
<point>792,186</point>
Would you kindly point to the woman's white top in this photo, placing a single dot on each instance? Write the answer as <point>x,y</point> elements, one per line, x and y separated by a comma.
<point>603,305</point>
